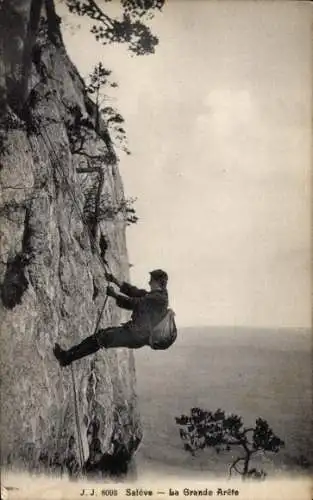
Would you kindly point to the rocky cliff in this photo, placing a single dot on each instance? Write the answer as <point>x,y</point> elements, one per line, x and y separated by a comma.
<point>58,169</point>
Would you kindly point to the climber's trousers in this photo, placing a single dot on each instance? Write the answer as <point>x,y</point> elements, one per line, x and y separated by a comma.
<point>119,336</point>
<point>122,336</point>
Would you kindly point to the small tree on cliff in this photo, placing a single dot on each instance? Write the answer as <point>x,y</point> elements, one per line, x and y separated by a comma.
<point>96,81</point>
<point>202,429</point>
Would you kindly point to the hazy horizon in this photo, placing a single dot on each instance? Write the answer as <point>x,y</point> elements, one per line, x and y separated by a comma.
<point>248,327</point>
<point>250,374</point>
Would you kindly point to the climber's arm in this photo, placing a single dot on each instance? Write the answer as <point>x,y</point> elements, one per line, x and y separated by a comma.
<point>126,288</point>
<point>124,302</point>
<point>132,291</point>
<point>121,300</point>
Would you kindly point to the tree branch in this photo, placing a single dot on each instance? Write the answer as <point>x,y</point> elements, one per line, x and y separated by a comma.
<point>97,14</point>
<point>233,466</point>
<point>102,16</point>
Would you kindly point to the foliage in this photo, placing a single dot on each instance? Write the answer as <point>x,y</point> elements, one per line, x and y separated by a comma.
<point>129,29</point>
<point>109,210</point>
<point>97,79</point>
<point>80,131</point>
<point>203,429</point>
<point>126,207</point>
<point>114,121</point>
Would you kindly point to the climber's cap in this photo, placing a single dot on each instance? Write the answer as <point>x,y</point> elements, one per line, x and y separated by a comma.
<point>160,276</point>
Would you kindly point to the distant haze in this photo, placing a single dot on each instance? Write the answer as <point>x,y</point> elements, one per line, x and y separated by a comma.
<point>250,372</point>
<point>218,122</point>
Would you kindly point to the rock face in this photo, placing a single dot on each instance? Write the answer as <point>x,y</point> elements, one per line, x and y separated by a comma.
<point>52,278</point>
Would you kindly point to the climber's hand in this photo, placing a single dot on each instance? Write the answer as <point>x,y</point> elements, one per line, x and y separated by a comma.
<point>112,279</point>
<point>111,292</point>
<point>109,277</point>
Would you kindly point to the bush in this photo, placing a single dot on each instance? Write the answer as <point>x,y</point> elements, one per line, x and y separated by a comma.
<point>202,429</point>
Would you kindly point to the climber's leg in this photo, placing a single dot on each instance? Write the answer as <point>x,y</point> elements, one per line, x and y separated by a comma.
<point>121,336</point>
<point>118,336</point>
<point>86,347</point>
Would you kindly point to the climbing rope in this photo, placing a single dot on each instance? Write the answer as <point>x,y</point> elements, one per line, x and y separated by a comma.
<point>105,266</point>
<point>79,211</point>
<point>100,314</point>
<point>79,436</point>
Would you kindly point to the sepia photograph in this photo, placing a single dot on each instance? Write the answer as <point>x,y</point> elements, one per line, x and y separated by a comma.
<point>155,249</point>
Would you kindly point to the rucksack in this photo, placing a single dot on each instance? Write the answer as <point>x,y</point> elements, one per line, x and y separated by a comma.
<point>164,334</point>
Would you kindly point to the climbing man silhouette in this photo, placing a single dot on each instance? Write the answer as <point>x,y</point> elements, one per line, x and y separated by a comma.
<point>148,309</point>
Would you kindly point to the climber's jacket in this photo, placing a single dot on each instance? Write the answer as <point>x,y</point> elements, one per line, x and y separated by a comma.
<point>148,307</point>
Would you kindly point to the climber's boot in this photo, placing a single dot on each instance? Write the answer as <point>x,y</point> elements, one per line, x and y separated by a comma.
<point>86,347</point>
<point>60,354</point>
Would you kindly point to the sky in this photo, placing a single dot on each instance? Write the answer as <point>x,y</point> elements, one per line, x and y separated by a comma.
<point>219,125</point>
